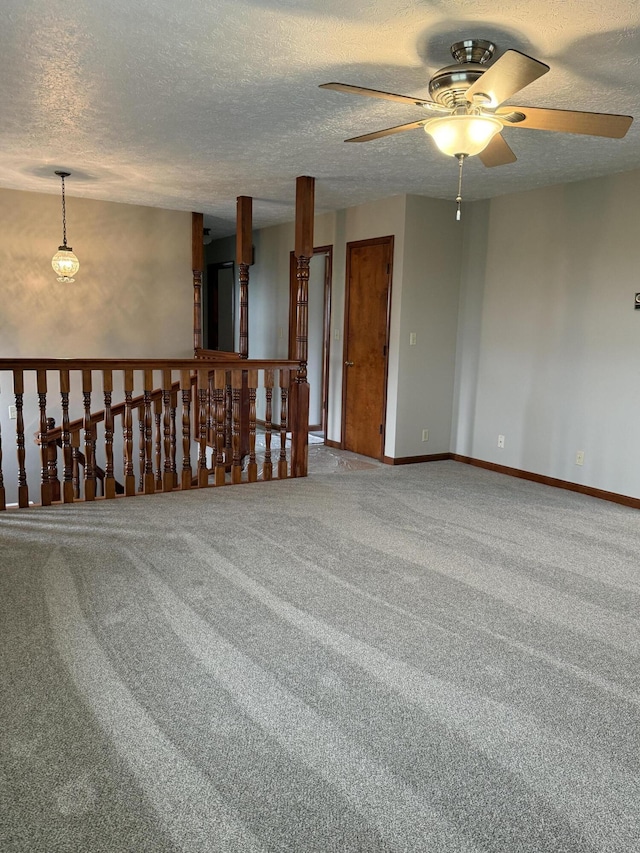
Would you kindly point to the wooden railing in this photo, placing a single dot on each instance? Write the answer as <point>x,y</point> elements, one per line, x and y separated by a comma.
<point>197,423</point>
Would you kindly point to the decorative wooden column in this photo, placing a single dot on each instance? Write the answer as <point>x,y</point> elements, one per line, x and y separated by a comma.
<point>197,264</point>
<point>244,258</point>
<point>299,403</point>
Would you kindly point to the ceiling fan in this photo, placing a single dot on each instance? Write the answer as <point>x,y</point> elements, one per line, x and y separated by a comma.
<point>468,97</point>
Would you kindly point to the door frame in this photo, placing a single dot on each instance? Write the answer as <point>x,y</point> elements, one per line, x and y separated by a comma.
<point>389,239</point>
<point>327,251</point>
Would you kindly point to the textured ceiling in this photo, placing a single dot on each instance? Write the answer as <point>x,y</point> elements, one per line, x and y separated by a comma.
<point>188,104</point>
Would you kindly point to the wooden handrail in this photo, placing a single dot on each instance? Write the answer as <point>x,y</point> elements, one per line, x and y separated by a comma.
<point>217,355</point>
<point>143,363</point>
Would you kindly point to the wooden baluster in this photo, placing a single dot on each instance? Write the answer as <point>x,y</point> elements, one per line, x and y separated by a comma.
<point>268,425</point>
<point>157,411</point>
<point>220,385</point>
<point>203,386</point>
<point>54,482</point>
<point>236,388</point>
<point>174,439</point>
<point>45,487</point>
<point>244,416</point>
<point>141,448</point>
<point>167,475</point>
<point>211,416</point>
<point>3,496</point>
<point>228,452</point>
<point>23,488</point>
<point>89,441</point>
<point>252,468</point>
<point>149,482</point>
<point>127,434</point>
<point>185,388</point>
<point>68,491</point>
<point>284,397</point>
<point>75,464</point>
<point>109,485</point>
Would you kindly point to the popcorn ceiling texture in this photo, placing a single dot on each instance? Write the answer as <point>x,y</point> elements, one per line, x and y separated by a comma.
<point>186,106</point>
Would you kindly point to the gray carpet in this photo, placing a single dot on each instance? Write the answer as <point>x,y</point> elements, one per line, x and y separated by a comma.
<point>422,658</point>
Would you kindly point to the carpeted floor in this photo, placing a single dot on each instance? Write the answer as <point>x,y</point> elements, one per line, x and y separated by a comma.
<point>419,658</point>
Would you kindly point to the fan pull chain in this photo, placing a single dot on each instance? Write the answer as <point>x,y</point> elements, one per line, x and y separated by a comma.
<point>459,196</point>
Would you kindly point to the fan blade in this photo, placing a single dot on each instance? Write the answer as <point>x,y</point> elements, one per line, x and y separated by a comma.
<point>373,93</point>
<point>512,72</point>
<point>497,152</point>
<point>379,133</point>
<point>566,121</point>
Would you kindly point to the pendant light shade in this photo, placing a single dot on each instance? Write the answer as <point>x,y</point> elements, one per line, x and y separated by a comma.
<point>64,262</point>
<point>463,134</point>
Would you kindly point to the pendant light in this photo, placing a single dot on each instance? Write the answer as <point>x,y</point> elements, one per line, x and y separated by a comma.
<point>64,262</point>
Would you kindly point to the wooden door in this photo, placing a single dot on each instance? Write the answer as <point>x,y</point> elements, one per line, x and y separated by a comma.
<point>366,345</point>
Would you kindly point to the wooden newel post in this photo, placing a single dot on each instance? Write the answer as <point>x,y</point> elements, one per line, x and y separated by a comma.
<point>244,259</point>
<point>197,264</point>
<point>299,403</point>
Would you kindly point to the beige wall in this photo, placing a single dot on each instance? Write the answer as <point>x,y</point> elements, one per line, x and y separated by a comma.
<point>132,297</point>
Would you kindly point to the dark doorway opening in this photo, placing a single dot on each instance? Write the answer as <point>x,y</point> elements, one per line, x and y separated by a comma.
<point>220,307</point>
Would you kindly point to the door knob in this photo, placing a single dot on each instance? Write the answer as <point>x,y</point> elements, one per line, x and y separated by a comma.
<point>348,364</point>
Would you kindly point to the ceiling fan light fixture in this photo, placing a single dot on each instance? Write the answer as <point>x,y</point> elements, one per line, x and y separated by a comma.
<point>463,134</point>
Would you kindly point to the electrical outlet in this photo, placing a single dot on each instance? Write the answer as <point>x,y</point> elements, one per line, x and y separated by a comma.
<point>412,339</point>
<point>501,441</point>
<point>12,413</point>
<point>280,332</point>
<point>580,457</point>
<point>336,334</point>
<point>425,435</point>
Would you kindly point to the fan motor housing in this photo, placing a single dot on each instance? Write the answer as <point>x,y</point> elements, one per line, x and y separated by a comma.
<point>449,85</point>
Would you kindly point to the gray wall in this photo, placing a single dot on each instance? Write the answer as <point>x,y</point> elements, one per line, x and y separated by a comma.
<point>428,308</point>
<point>549,342</point>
